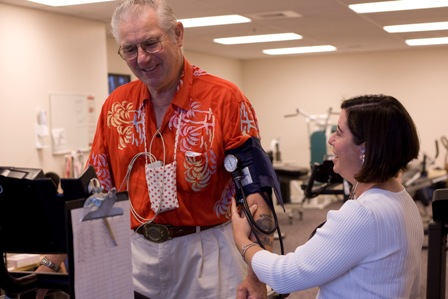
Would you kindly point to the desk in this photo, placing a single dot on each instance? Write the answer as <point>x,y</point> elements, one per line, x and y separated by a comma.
<point>286,173</point>
<point>421,189</point>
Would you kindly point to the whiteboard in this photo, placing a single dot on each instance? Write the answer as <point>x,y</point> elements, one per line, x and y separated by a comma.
<point>71,121</point>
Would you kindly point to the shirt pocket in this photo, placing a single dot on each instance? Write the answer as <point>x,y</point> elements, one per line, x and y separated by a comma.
<point>196,170</point>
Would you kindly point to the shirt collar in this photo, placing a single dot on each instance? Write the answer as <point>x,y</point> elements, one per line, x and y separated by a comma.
<point>181,99</point>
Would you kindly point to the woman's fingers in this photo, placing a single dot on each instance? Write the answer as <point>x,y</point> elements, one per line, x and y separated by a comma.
<point>234,208</point>
<point>236,212</point>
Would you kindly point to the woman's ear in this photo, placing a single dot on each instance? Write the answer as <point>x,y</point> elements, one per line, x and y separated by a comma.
<point>362,151</point>
<point>362,148</point>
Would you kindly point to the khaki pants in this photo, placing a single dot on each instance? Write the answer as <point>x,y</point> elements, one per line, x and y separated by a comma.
<point>198,266</point>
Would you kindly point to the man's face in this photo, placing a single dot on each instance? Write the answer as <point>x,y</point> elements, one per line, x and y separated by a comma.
<point>159,71</point>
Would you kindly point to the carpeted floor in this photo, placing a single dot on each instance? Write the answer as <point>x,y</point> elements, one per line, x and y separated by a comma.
<point>297,231</point>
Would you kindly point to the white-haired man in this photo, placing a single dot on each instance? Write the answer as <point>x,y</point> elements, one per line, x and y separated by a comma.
<point>171,128</point>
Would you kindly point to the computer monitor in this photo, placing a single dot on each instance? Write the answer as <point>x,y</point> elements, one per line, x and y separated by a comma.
<point>21,172</point>
<point>31,213</point>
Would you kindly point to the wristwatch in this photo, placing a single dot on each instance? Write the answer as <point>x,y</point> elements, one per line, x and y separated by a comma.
<point>47,263</point>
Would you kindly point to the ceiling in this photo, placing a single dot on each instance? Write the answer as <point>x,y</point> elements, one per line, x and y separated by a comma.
<point>321,22</point>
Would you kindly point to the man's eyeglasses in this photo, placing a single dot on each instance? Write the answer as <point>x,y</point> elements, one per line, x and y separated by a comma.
<point>150,46</point>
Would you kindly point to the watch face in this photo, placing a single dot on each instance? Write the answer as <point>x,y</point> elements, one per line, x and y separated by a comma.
<point>230,163</point>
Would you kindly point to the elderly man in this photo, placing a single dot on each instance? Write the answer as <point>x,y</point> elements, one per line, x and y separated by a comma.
<point>164,136</point>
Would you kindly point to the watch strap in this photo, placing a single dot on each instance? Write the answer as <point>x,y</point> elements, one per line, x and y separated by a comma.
<point>47,263</point>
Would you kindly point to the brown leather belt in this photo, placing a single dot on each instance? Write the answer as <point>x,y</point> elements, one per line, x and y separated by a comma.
<point>161,232</point>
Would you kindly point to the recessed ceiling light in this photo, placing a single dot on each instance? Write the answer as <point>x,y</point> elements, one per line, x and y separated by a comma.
<point>417,27</point>
<point>427,41</point>
<point>299,50</point>
<point>66,2</point>
<point>396,5</point>
<point>213,21</point>
<point>261,38</point>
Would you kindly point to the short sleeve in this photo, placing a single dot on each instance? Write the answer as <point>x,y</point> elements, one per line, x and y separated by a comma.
<point>239,121</point>
<point>99,156</point>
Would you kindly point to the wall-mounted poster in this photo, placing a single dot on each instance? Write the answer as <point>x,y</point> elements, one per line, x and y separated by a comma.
<point>72,120</point>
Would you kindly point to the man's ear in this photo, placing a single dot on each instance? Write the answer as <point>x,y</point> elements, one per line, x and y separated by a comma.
<point>179,33</point>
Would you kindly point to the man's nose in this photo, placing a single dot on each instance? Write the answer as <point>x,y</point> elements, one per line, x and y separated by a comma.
<point>142,55</point>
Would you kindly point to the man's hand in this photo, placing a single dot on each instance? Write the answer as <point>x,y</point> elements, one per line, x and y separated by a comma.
<point>251,288</point>
<point>56,259</point>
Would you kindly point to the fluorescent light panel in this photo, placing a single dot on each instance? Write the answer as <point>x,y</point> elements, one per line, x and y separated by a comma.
<point>417,27</point>
<point>66,2</point>
<point>261,38</point>
<point>396,5</point>
<point>427,41</point>
<point>213,21</point>
<point>299,50</point>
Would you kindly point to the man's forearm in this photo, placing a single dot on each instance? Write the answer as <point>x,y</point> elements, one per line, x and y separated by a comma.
<point>264,219</point>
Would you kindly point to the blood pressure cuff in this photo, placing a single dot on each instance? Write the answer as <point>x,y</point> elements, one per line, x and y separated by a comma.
<point>257,170</point>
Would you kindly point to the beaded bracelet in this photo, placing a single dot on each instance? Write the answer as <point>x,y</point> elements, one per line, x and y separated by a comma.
<point>246,247</point>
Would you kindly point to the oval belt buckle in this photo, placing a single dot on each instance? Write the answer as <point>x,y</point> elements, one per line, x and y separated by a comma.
<point>156,233</point>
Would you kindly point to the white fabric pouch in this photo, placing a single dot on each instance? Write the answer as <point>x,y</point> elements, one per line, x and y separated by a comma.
<point>162,186</point>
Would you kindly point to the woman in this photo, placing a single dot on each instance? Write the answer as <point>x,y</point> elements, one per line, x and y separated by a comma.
<point>371,246</point>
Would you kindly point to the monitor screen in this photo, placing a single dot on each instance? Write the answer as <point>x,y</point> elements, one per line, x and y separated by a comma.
<point>21,172</point>
<point>116,80</point>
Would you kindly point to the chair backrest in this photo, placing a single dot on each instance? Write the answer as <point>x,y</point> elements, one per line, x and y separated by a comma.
<point>318,147</point>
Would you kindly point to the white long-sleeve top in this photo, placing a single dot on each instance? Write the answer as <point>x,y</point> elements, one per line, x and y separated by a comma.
<point>369,248</point>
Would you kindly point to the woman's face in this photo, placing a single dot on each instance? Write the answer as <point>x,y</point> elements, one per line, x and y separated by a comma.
<point>347,155</point>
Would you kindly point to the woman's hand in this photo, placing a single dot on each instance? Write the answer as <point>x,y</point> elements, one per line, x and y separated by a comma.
<point>240,226</point>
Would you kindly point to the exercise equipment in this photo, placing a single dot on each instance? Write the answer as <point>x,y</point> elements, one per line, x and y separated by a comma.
<point>437,246</point>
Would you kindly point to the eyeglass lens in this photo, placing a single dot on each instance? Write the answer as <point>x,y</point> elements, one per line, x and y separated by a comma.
<point>150,46</point>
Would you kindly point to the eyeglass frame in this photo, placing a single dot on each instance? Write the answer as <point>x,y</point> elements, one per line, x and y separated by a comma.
<point>139,45</point>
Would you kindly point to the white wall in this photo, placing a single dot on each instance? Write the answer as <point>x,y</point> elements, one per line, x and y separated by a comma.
<point>226,68</point>
<point>277,86</point>
<point>43,53</point>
